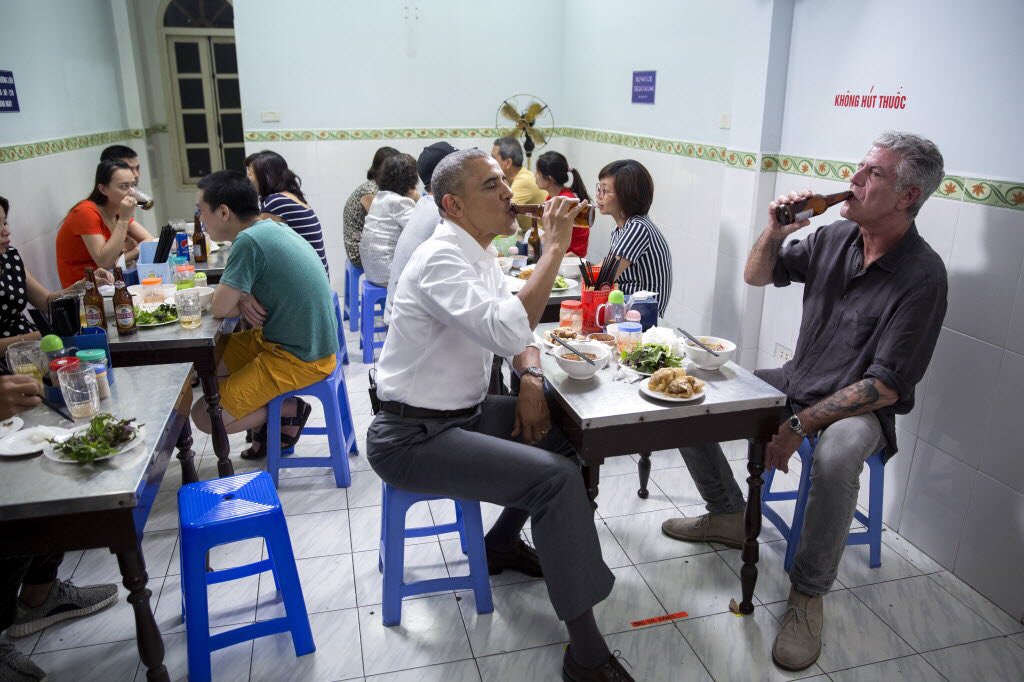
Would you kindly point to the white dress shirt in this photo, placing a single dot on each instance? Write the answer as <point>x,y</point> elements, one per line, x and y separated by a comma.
<point>452,312</point>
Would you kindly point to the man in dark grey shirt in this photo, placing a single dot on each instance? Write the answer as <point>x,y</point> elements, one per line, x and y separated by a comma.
<point>874,300</point>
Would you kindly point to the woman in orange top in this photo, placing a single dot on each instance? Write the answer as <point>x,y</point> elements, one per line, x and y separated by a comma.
<point>553,174</point>
<point>102,227</point>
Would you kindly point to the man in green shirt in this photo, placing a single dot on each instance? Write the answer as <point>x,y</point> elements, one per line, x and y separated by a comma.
<point>276,280</point>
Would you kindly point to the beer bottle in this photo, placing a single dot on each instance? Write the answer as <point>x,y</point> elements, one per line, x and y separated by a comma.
<point>534,242</point>
<point>198,241</point>
<point>95,315</point>
<point>584,218</point>
<point>816,204</point>
<point>124,306</point>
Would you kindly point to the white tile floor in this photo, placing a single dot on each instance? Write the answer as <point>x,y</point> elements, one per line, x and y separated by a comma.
<point>908,620</point>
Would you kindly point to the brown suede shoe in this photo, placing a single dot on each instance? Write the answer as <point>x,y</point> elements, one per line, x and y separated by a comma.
<point>726,529</point>
<point>798,644</point>
<point>611,671</point>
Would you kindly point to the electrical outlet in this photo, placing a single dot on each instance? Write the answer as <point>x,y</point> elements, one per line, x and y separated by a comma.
<point>725,121</point>
<point>783,353</point>
<point>270,117</point>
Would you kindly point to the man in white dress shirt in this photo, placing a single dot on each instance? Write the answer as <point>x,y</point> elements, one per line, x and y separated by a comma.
<point>439,432</point>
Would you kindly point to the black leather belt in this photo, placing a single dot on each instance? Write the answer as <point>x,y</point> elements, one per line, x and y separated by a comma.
<point>402,410</point>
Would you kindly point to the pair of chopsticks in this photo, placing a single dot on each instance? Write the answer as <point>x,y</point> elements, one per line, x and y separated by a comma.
<point>696,341</point>
<point>4,369</point>
<point>588,281</point>
<point>577,351</point>
<point>606,276</point>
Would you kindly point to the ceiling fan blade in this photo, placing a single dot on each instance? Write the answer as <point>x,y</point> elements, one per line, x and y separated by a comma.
<point>509,111</point>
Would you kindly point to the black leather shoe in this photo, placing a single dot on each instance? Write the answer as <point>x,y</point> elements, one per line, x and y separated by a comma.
<point>610,671</point>
<point>523,559</point>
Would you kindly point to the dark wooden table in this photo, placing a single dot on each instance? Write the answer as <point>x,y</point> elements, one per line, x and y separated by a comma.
<point>603,418</point>
<point>48,507</point>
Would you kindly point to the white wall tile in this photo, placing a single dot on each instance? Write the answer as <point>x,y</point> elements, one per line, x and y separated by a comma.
<point>992,547</point>
<point>984,271</point>
<point>938,493</point>
<point>1002,455</point>
<point>1015,339</point>
<point>738,187</point>
<point>961,383</point>
<point>897,476</point>
<point>728,307</point>
<point>937,222</point>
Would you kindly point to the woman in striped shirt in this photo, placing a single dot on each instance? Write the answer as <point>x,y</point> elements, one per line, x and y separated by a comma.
<point>282,200</point>
<point>625,191</point>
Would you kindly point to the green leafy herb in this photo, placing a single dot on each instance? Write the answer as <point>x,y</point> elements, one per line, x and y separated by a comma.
<point>560,283</point>
<point>103,437</point>
<point>650,357</point>
<point>163,313</point>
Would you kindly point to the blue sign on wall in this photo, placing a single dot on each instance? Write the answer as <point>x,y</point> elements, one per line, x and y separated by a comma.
<point>8,95</point>
<point>643,87</point>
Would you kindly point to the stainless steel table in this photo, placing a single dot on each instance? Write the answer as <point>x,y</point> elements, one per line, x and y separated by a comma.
<point>48,507</point>
<point>172,344</point>
<point>604,418</point>
<point>214,265</point>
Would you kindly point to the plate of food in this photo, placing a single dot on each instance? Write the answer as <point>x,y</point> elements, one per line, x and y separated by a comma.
<point>674,385</point>
<point>155,314</point>
<point>28,442</point>
<point>560,283</point>
<point>648,358</point>
<point>565,333</point>
<point>104,437</point>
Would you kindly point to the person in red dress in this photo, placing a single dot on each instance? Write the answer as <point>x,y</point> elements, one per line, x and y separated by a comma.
<point>553,175</point>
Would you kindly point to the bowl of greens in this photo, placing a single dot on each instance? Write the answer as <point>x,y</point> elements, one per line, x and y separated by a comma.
<point>155,315</point>
<point>648,358</point>
<point>104,437</point>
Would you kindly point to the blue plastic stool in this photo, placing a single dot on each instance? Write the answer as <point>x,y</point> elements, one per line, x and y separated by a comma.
<point>352,275</point>
<point>391,560</point>
<point>372,297</point>
<point>872,522</point>
<point>340,427</point>
<point>227,510</point>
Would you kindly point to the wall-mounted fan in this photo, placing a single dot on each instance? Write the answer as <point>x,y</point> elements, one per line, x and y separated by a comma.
<point>528,119</point>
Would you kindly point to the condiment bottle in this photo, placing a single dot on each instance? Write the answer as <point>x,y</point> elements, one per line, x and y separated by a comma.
<point>570,314</point>
<point>97,359</point>
<point>61,363</point>
<point>629,336</point>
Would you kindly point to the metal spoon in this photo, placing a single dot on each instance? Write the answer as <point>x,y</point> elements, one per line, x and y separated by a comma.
<point>696,341</point>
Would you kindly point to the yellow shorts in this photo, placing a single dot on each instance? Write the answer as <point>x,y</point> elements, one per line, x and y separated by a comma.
<point>260,371</point>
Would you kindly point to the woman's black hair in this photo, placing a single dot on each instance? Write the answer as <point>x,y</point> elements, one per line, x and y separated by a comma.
<point>556,167</point>
<point>397,174</point>
<point>6,205</point>
<point>104,172</point>
<point>633,185</point>
<point>378,160</point>
<point>273,175</point>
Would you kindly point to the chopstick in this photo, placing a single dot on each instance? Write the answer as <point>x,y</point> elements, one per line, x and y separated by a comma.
<point>574,350</point>
<point>41,322</point>
<point>696,341</point>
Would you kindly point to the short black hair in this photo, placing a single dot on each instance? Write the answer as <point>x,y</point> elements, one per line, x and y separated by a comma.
<point>509,148</point>
<point>378,160</point>
<point>231,189</point>
<point>273,175</point>
<point>397,174</point>
<point>104,173</point>
<point>450,175</point>
<point>117,151</point>
<point>633,185</point>
<point>6,205</point>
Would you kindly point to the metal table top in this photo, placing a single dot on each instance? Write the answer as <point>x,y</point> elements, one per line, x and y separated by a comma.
<point>39,486</point>
<point>172,335</point>
<point>215,262</point>
<point>601,402</point>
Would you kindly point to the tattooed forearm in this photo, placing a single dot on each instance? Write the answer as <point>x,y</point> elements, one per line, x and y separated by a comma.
<point>761,261</point>
<point>864,396</point>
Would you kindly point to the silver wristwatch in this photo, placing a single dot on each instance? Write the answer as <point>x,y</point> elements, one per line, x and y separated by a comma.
<point>534,371</point>
<point>796,426</point>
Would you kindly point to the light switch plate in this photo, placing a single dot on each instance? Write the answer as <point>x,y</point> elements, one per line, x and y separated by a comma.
<point>270,117</point>
<point>725,121</point>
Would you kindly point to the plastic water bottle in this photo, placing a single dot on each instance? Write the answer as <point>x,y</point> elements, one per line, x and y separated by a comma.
<point>614,309</point>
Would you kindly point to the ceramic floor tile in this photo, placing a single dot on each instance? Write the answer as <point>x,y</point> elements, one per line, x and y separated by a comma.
<point>641,537</point>
<point>853,635</point>
<point>327,585</point>
<point>100,566</point>
<point>1019,639</point>
<point>772,580</point>
<point>630,600</point>
<point>337,656</point>
<point>540,664</point>
<point>700,585</point>
<point>69,564</point>
<point>319,534</point>
<point>924,614</point>
<point>459,671</point>
<point>443,511</point>
<point>431,632</point>
<point>111,661</point>
<point>735,647</point>
<point>112,624</point>
<point>228,665</point>
<point>620,466</point>
<point>228,603</point>
<point>164,514</point>
<point>311,494</point>
<point>365,489</point>
<point>907,669</point>
<point>855,571</point>
<point>365,524</point>
<point>662,459</point>
<point>522,618</point>
<point>992,659</point>
<point>904,548</point>
<point>617,496</point>
<point>224,556</point>
<point>1006,623</point>
<point>422,562</point>
<point>677,484</point>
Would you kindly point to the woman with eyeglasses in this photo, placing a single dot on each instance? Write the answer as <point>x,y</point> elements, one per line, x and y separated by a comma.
<point>552,175</point>
<point>625,192</point>
<point>101,228</point>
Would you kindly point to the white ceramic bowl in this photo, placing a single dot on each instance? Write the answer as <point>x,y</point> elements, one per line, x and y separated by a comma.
<point>165,290</point>
<point>205,297</point>
<point>570,267</point>
<point>505,263</point>
<point>581,369</point>
<point>704,359</point>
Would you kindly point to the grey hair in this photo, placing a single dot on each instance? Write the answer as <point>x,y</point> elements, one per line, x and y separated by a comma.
<point>920,164</point>
<point>509,148</point>
<point>451,172</point>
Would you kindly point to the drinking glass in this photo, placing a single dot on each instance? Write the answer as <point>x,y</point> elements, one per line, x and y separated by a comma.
<point>80,391</point>
<point>25,358</point>
<point>189,309</point>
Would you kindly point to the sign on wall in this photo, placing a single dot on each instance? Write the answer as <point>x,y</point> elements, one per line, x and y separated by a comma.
<point>8,95</point>
<point>643,87</point>
<point>870,100</point>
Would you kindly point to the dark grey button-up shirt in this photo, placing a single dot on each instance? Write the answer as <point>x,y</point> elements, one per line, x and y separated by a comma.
<point>881,321</point>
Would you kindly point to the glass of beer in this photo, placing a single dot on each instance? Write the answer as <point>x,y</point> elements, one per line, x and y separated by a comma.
<point>144,200</point>
<point>190,311</point>
<point>25,358</point>
<point>80,390</point>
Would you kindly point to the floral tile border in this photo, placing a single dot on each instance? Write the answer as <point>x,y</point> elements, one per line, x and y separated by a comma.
<point>31,150</point>
<point>370,134</point>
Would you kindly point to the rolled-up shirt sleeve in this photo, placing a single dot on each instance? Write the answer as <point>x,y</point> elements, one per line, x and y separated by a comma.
<point>906,345</point>
<point>794,261</point>
<point>454,293</point>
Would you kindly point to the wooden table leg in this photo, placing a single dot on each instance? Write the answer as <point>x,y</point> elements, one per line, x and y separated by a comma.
<point>208,376</point>
<point>752,523</point>
<point>186,454</point>
<point>591,478</point>
<point>147,634</point>
<point>643,467</point>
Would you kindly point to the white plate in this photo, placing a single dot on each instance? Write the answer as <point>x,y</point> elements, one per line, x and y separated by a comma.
<point>668,398</point>
<point>140,435</point>
<point>212,246</point>
<point>9,426</point>
<point>150,307</point>
<point>570,284</point>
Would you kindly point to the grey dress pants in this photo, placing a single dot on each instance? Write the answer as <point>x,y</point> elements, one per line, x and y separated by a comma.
<point>475,458</point>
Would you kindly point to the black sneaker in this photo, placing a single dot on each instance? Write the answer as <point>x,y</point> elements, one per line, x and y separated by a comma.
<point>610,671</point>
<point>16,666</point>
<point>66,601</point>
<point>522,558</point>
